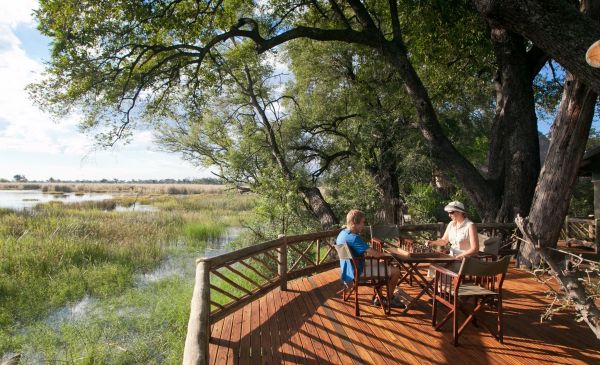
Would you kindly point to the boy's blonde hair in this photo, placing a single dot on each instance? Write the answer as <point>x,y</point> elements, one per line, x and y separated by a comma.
<point>354,217</point>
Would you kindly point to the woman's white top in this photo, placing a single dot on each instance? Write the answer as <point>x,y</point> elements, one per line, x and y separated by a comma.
<point>458,236</point>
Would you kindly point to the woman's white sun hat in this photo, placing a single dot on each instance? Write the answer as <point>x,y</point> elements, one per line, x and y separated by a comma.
<point>455,206</point>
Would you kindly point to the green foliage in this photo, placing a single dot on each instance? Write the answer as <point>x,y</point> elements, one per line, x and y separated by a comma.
<point>129,63</point>
<point>594,138</point>
<point>582,201</point>
<point>354,190</point>
<point>426,204</point>
<point>280,208</point>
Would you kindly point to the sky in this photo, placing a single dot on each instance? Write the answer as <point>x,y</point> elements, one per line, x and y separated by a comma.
<point>35,145</point>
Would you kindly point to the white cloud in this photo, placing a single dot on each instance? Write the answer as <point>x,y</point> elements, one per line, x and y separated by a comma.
<point>14,12</point>
<point>31,143</point>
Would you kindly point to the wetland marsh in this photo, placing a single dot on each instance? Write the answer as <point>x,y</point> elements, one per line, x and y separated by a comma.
<point>85,283</point>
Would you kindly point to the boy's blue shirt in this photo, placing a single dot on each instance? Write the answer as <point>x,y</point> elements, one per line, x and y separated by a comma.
<point>357,246</point>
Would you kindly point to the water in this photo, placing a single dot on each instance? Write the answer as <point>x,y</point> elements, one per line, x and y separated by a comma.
<point>73,312</point>
<point>182,266</point>
<point>185,266</point>
<point>22,199</point>
<point>136,207</point>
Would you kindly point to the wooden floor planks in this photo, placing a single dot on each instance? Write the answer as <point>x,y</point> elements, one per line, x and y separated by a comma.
<point>310,324</point>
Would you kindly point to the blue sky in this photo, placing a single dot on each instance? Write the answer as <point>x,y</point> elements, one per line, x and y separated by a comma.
<point>34,145</point>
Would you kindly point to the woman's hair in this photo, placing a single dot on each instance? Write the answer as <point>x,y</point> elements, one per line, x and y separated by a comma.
<point>354,217</point>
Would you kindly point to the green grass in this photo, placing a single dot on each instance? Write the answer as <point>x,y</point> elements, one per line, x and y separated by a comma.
<point>57,254</point>
<point>204,231</point>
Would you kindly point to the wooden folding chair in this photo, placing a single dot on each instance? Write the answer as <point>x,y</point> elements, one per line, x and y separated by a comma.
<point>452,290</point>
<point>370,272</point>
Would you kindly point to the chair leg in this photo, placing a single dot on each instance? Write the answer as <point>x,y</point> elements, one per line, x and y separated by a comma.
<point>434,311</point>
<point>500,333</point>
<point>347,292</point>
<point>454,322</point>
<point>390,296</point>
<point>475,304</point>
<point>383,300</point>
<point>356,309</point>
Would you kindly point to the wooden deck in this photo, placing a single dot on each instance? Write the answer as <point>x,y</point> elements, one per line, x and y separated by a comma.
<point>311,324</point>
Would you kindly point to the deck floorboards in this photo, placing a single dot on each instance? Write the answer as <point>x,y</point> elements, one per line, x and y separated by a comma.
<point>310,324</point>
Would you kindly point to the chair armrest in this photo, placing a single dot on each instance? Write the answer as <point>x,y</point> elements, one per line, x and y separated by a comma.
<point>366,256</point>
<point>444,271</point>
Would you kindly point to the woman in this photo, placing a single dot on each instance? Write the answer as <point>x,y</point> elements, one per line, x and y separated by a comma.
<point>461,233</point>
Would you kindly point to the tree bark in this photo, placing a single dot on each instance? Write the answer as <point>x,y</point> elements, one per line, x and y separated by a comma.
<point>484,198</point>
<point>552,195</point>
<point>569,134</point>
<point>319,206</point>
<point>514,158</point>
<point>389,193</point>
<point>555,26</point>
<point>567,145</point>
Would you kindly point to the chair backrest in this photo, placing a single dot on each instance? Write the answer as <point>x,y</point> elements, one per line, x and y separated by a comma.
<point>475,267</point>
<point>343,251</point>
<point>489,245</point>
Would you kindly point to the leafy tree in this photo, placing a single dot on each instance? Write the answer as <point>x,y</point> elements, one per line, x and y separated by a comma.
<point>242,130</point>
<point>19,178</point>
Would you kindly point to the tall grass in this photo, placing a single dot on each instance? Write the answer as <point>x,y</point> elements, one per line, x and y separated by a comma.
<point>60,253</point>
<point>204,231</point>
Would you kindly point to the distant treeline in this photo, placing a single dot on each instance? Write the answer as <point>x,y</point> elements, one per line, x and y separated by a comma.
<point>204,180</point>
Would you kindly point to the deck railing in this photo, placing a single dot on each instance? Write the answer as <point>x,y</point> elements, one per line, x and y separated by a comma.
<point>228,282</point>
<point>580,229</point>
<point>241,276</point>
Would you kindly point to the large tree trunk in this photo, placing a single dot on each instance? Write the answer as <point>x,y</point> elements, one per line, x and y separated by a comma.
<point>383,166</point>
<point>552,195</point>
<point>446,156</point>
<point>555,26</point>
<point>568,138</point>
<point>514,160</point>
<point>319,207</point>
<point>389,193</point>
<point>567,145</point>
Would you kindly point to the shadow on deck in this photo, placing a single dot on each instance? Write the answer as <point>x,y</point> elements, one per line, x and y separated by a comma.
<point>310,324</point>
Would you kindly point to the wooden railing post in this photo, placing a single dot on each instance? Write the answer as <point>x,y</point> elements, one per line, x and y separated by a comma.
<point>596,236</point>
<point>318,252</point>
<point>441,230</point>
<point>198,334</point>
<point>282,258</point>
